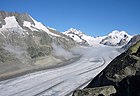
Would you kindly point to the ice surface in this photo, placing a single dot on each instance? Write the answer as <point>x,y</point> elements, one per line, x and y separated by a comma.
<point>63,80</point>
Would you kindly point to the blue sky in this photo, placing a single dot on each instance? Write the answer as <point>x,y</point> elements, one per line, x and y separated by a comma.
<point>94,17</point>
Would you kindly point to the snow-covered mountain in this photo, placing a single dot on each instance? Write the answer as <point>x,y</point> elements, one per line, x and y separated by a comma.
<point>115,38</point>
<point>26,44</point>
<point>81,38</point>
<point>22,22</point>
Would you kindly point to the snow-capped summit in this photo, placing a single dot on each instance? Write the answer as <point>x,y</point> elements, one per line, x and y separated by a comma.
<point>116,38</point>
<point>82,38</point>
<point>118,34</point>
<point>75,34</point>
<point>74,31</point>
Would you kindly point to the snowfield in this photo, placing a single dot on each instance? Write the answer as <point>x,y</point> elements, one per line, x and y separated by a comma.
<point>61,81</point>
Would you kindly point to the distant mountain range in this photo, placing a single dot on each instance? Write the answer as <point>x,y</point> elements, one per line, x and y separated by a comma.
<point>115,38</point>
<point>22,22</point>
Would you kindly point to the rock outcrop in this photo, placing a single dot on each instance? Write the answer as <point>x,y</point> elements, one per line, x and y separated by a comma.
<point>97,91</point>
<point>123,73</point>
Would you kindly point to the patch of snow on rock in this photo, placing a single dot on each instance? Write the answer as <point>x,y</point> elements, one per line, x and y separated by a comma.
<point>11,23</point>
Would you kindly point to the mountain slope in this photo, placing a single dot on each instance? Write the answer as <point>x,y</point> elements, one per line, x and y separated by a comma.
<point>26,44</point>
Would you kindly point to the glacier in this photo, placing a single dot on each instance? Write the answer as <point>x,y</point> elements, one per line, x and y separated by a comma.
<point>61,81</point>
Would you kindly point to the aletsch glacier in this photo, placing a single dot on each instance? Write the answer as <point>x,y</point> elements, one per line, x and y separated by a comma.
<point>72,57</point>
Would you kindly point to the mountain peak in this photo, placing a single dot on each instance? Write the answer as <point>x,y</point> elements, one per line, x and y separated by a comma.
<point>116,32</point>
<point>74,31</point>
<point>116,38</point>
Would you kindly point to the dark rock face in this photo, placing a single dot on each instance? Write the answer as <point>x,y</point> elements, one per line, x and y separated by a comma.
<point>129,86</point>
<point>123,73</point>
<point>138,52</point>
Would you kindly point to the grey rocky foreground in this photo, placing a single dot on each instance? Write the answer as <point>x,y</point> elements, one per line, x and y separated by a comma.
<point>123,73</point>
<point>97,91</point>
